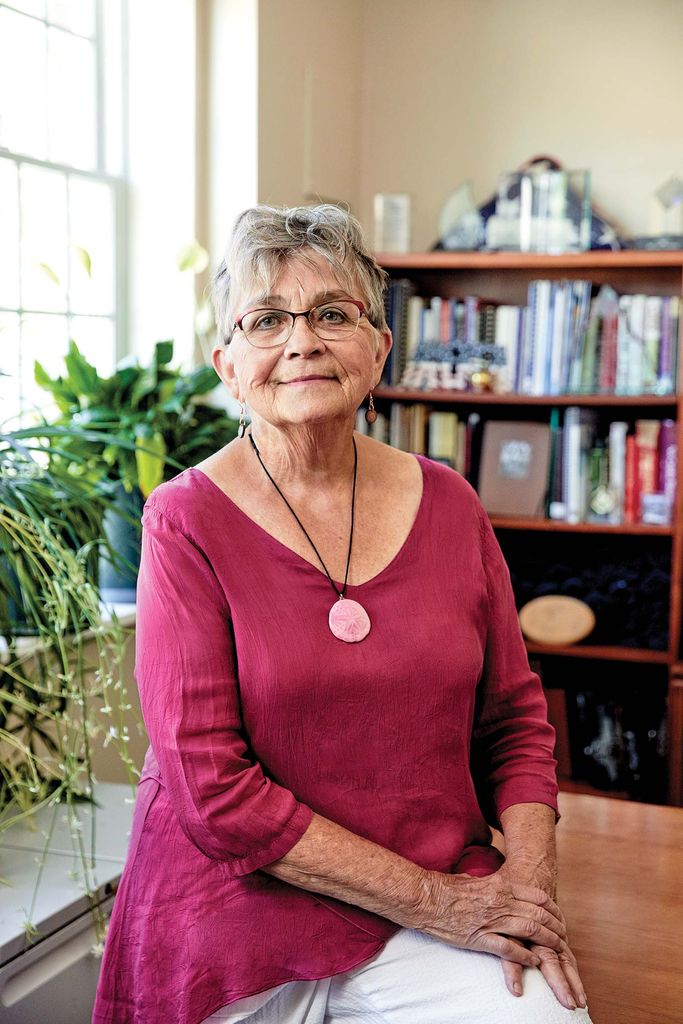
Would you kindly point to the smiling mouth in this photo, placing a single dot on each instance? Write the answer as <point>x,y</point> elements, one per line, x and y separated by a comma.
<point>306,380</point>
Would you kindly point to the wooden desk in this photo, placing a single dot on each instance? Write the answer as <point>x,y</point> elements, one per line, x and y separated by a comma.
<point>621,890</point>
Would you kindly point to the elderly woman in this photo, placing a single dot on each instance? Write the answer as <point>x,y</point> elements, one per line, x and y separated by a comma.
<point>338,700</point>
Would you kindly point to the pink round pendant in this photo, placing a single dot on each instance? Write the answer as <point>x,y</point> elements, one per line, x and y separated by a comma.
<point>349,621</point>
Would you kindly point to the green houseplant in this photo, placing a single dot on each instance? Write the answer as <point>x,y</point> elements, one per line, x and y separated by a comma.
<point>129,432</point>
<point>60,661</point>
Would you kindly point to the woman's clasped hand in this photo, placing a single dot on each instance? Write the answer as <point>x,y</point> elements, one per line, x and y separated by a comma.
<point>497,914</point>
<point>488,913</point>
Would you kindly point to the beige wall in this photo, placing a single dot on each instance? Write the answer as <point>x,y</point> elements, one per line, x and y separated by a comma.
<point>310,71</point>
<point>434,92</point>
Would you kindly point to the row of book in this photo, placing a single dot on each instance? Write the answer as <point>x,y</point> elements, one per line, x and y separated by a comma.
<point>571,469</point>
<point>564,341</point>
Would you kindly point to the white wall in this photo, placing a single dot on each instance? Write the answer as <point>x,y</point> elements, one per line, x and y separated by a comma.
<point>227,145</point>
<point>161,118</point>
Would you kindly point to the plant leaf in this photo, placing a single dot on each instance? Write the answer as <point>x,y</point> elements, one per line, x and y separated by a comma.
<point>83,376</point>
<point>194,257</point>
<point>199,382</point>
<point>163,353</point>
<point>49,272</point>
<point>149,458</point>
<point>144,385</point>
<point>83,258</point>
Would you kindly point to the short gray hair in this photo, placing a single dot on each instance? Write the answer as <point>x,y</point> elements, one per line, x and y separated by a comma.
<point>266,238</point>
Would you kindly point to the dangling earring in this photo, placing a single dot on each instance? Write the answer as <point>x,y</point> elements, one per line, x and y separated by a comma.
<point>243,423</point>
<point>370,413</point>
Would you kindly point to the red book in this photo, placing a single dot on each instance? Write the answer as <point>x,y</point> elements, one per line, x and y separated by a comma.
<point>608,355</point>
<point>632,490</point>
<point>647,440</point>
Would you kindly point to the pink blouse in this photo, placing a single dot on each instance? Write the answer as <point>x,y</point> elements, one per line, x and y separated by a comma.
<point>257,715</point>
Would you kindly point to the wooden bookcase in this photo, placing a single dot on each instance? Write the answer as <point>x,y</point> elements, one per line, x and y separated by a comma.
<point>504,278</point>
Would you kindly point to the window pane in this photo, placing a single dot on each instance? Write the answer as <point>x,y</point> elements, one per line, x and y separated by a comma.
<point>9,236</point>
<point>44,338</point>
<point>91,218</point>
<point>77,15</point>
<point>96,339</point>
<point>44,239</point>
<point>113,87</point>
<point>23,85</point>
<point>36,7</point>
<point>71,99</point>
<point>9,366</point>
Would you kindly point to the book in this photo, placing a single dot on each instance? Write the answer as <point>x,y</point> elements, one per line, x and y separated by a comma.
<point>631,494</point>
<point>461,448</point>
<point>556,508</point>
<point>617,468</point>
<point>652,331</point>
<point>507,337</point>
<point>513,476</point>
<point>443,437</point>
<point>647,440</point>
<point>668,460</point>
<point>558,341</point>
<point>579,433</point>
<point>541,337</point>
<point>636,340</point>
<point>399,426</point>
<point>418,414</point>
<point>473,433</point>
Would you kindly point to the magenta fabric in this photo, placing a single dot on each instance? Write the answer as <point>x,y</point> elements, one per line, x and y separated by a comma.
<point>258,716</point>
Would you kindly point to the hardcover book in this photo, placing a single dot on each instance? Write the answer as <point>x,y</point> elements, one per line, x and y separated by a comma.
<point>513,478</point>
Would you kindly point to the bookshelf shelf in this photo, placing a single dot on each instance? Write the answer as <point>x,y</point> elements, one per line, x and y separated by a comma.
<point>631,259</point>
<point>505,278</point>
<point>454,397</point>
<point>636,654</point>
<point>558,526</point>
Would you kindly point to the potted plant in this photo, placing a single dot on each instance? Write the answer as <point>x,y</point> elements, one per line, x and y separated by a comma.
<point>129,432</point>
<point>60,661</point>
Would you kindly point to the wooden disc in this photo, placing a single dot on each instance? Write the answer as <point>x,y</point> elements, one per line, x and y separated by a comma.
<point>556,620</point>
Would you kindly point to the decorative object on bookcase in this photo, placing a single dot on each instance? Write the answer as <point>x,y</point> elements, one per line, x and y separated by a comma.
<point>457,365</point>
<point>543,208</point>
<point>514,467</point>
<point>627,589</point>
<point>666,210</point>
<point>618,733</point>
<point>392,222</point>
<point>461,226</point>
<point>556,620</point>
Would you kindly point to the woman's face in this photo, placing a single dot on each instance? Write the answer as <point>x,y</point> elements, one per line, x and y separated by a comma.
<point>270,380</point>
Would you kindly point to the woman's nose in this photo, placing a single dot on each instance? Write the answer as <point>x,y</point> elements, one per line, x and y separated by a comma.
<point>303,340</point>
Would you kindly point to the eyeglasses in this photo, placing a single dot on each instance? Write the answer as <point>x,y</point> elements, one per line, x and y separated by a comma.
<point>331,321</point>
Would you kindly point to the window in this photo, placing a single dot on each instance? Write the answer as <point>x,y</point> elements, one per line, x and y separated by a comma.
<point>61,190</point>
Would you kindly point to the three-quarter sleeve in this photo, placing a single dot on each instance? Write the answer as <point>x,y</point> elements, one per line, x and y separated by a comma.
<point>185,668</point>
<point>513,742</point>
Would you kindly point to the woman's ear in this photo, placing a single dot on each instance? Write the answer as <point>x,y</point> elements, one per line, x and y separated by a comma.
<point>384,345</point>
<point>221,357</point>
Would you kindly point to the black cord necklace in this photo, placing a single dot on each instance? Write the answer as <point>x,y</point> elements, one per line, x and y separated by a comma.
<point>348,620</point>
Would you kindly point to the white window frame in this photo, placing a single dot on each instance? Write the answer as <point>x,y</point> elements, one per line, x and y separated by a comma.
<point>118,183</point>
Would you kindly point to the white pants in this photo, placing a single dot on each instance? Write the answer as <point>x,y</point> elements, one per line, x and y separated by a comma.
<point>414,980</point>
